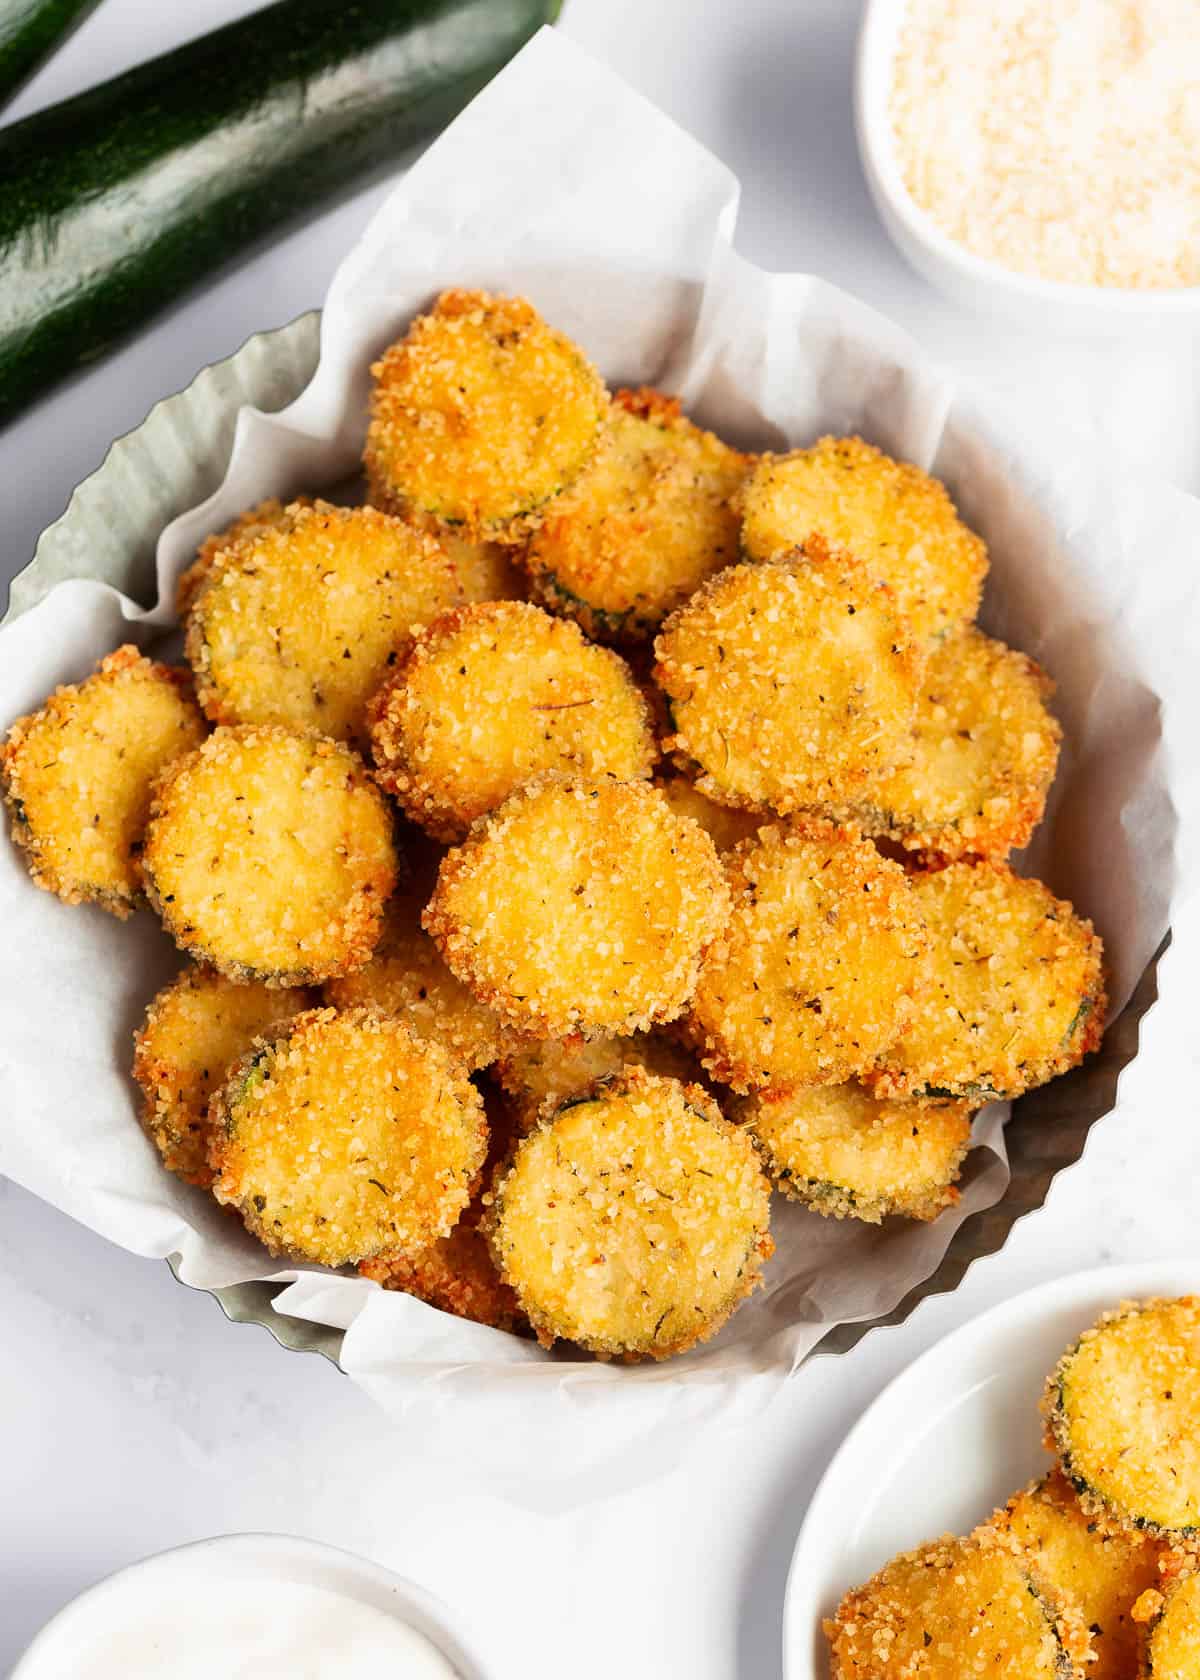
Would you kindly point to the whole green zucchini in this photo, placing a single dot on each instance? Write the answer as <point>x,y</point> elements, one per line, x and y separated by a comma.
<point>115,202</point>
<point>29,32</point>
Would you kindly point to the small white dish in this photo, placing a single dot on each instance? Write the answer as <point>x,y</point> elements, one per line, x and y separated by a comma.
<point>247,1558</point>
<point>945,1443</point>
<point>969,280</point>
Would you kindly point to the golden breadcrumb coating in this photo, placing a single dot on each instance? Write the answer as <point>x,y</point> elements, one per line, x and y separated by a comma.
<point>489,697</point>
<point>269,856</point>
<point>895,518</point>
<point>1015,989</point>
<point>580,907</point>
<point>345,1136</point>
<point>791,684</point>
<point>407,977</point>
<point>547,1072</point>
<point>820,964</point>
<point>77,775</point>
<point>954,1609</point>
<point>1122,1411</point>
<point>298,623</point>
<point>1170,1644</point>
<point>849,1155</point>
<point>194,1031</point>
<point>725,826</point>
<point>481,415</point>
<point>1101,1573</point>
<point>457,1274</point>
<point>650,519</point>
<point>633,1220</point>
<point>984,753</point>
<point>268,515</point>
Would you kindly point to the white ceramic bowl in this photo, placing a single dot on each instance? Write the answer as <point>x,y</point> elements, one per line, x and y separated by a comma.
<point>969,280</point>
<point>949,1440</point>
<point>202,1566</point>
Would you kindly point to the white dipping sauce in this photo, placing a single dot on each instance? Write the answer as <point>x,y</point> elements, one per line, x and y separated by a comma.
<point>259,1629</point>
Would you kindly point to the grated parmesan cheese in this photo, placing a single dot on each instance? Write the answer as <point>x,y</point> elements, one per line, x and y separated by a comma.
<point>1060,139</point>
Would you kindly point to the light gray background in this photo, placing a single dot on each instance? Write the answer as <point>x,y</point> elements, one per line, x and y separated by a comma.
<point>132,1416</point>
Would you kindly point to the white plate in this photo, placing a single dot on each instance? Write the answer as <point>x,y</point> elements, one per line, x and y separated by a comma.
<point>202,1566</point>
<point>946,1442</point>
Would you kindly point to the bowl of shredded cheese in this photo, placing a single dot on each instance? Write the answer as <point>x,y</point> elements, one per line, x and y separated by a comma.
<point>1039,161</point>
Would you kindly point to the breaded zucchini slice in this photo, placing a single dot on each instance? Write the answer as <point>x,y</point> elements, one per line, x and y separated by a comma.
<point>790,684</point>
<point>951,1609</point>
<point>457,1273</point>
<point>269,856</point>
<point>407,977</point>
<point>984,753</point>
<point>1170,1645</point>
<point>1101,1573</point>
<point>345,1136</point>
<point>1016,989</point>
<point>546,1073</point>
<point>644,525</point>
<point>580,907</point>
<point>299,623</point>
<point>633,1220</point>
<point>490,696</point>
<point>1122,1411</point>
<point>819,967</point>
<point>850,1155</point>
<point>725,826</point>
<point>481,415</point>
<point>194,1031</point>
<point>894,517</point>
<point>77,775</point>
<point>271,514</point>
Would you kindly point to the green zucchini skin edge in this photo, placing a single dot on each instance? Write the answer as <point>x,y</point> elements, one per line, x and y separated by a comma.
<point>30,30</point>
<point>116,202</point>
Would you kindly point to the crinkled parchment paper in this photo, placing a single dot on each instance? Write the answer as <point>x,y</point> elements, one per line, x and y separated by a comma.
<point>560,183</point>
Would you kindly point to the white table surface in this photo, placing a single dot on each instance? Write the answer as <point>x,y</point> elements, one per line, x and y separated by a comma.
<point>132,1415</point>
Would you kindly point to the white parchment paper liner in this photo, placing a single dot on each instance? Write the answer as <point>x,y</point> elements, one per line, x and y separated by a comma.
<point>560,183</point>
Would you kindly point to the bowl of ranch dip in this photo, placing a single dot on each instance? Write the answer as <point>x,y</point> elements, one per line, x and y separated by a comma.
<point>1040,162</point>
<point>252,1607</point>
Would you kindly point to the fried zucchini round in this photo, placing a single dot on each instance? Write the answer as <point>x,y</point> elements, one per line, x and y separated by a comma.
<point>1101,1573</point>
<point>346,1136</point>
<point>269,515</point>
<point>725,826</point>
<point>580,907</point>
<point>194,1031</point>
<point>819,966</point>
<point>894,517</point>
<point>457,1274</point>
<point>950,1609</point>
<point>643,526</point>
<point>790,684</point>
<point>1123,1413</point>
<point>77,775</point>
<point>848,1155</point>
<point>984,753</point>
<point>489,697</point>
<point>298,623</point>
<point>407,977</point>
<point>633,1220</point>
<point>1171,1643</point>
<point>1016,989</point>
<point>481,415</point>
<point>269,856</point>
<point>546,1073</point>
